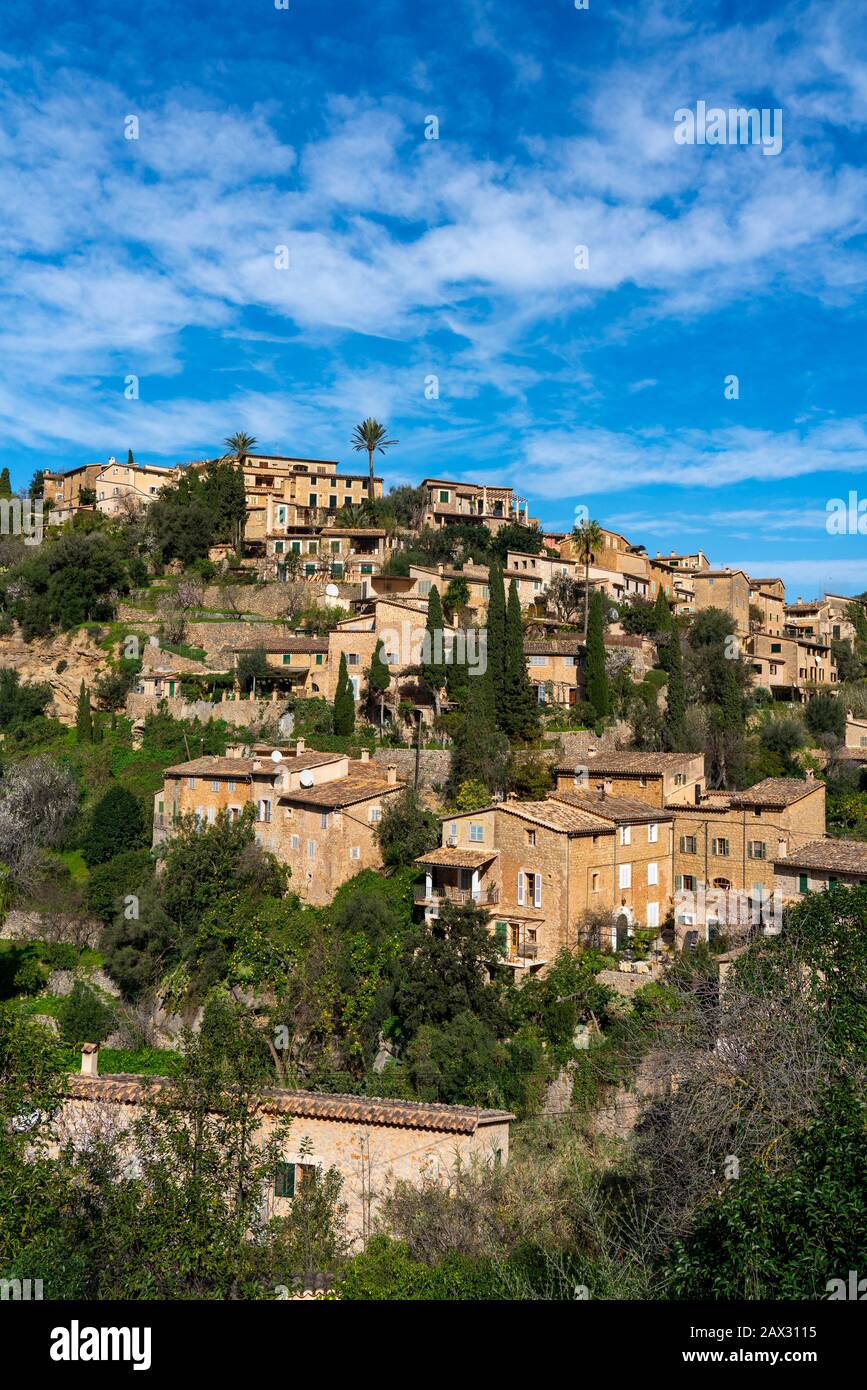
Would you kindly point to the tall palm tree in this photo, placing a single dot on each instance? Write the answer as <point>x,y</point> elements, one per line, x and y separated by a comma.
<point>238,445</point>
<point>371,435</point>
<point>586,539</point>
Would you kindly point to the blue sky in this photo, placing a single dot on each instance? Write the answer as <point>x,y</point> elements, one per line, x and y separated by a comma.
<point>455,258</point>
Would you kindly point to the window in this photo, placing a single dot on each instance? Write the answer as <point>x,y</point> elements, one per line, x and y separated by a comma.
<point>625,876</point>
<point>375,815</point>
<point>529,889</point>
<point>477,831</point>
<point>757,849</point>
<point>720,847</point>
<point>354,852</point>
<point>291,1177</point>
<point>311,848</point>
<point>295,842</point>
<point>318,659</point>
<point>652,874</point>
<point>531,837</point>
<point>332,502</point>
<point>265,809</point>
<point>687,844</point>
<point>353,659</point>
<point>776,646</point>
<point>323,820</point>
<point>296,547</point>
<point>287,658</point>
<point>803,883</point>
<point>594,883</point>
<point>538,661</point>
<point>653,914</point>
<point>684,882</point>
<point>230,785</point>
<point>626,834</point>
<point>312,499</point>
<point>679,779</point>
<point>335,547</point>
<point>278,547</point>
<point>191,783</point>
<point>215,786</point>
<point>652,833</point>
<point>424,586</point>
<point>444,496</point>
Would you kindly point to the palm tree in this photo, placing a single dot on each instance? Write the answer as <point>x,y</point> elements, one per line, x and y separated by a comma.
<point>239,444</point>
<point>371,435</point>
<point>586,539</point>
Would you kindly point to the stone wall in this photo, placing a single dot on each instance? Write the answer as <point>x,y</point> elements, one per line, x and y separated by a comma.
<point>434,764</point>
<point>244,714</point>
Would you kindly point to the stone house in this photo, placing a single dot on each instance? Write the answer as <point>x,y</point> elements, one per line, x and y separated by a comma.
<point>372,1143</point>
<point>556,668</point>
<point>120,486</point>
<point>819,865</point>
<point>538,867</point>
<point>316,812</point>
<point>769,597</point>
<point>726,845</point>
<point>661,780</point>
<point>493,507</point>
<point>788,666</point>
<point>726,589</point>
<point>300,663</point>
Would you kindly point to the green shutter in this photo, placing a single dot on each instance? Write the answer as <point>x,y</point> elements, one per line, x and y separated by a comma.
<point>802,883</point>
<point>284,1180</point>
<point>501,935</point>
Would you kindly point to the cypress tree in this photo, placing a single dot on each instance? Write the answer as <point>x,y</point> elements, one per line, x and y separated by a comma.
<point>597,679</point>
<point>130,461</point>
<point>676,694</point>
<point>496,630</point>
<point>5,483</point>
<point>378,678</point>
<point>344,702</point>
<point>519,709</point>
<point>83,717</point>
<point>481,751</point>
<point>433,670</point>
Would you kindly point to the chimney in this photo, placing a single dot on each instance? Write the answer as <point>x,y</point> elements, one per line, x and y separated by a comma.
<point>299,746</point>
<point>365,755</point>
<point>391,774</point>
<point>600,791</point>
<point>90,1059</point>
<point>811,776</point>
<point>608,786</point>
<point>511,796</point>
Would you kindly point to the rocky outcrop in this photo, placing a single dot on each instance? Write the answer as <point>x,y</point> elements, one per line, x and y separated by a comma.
<point>75,654</point>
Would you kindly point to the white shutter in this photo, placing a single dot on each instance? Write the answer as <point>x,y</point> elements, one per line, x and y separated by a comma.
<point>625,875</point>
<point>521,895</point>
<point>537,890</point>
<point>652,874</point>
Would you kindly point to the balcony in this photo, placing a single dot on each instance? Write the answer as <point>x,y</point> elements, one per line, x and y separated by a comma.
<point>446,892</point>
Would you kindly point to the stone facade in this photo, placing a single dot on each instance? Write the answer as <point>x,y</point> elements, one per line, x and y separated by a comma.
<point>372,1143</point>
<point>317,812</point>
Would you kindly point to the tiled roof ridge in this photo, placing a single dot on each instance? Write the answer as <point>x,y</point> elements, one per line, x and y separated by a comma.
<point>131,1088</point>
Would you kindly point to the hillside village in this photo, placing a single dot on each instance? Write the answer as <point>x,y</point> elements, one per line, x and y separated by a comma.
<point>439,814</point>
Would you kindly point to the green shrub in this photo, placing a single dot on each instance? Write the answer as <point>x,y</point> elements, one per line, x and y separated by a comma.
<point>84,1016</point>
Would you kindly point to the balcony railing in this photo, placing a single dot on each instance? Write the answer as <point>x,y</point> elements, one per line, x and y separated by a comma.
<point>484,897</point>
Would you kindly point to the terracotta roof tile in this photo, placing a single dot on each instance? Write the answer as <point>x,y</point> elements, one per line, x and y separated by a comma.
<point>847,856</point>
<point>619,809</point>
<point>458,858</point>
<point>401,1114</point>
<point>775,792</point>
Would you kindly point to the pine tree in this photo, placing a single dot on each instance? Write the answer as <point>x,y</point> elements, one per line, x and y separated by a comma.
<point>676,695</point>
<point>518,710</point>
<point>130,461</point>
<point>597,679</point>
<point>379,679</point>
<point>434,669</point>
<point>496,631</point>
<point>83,717</point>
<point>5,483</point>
<point>344,701</point>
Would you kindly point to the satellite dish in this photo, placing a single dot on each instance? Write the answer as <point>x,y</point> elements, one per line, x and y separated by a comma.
<point>332,591</point>
<point>306,778</point>
<point>276,756</point>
